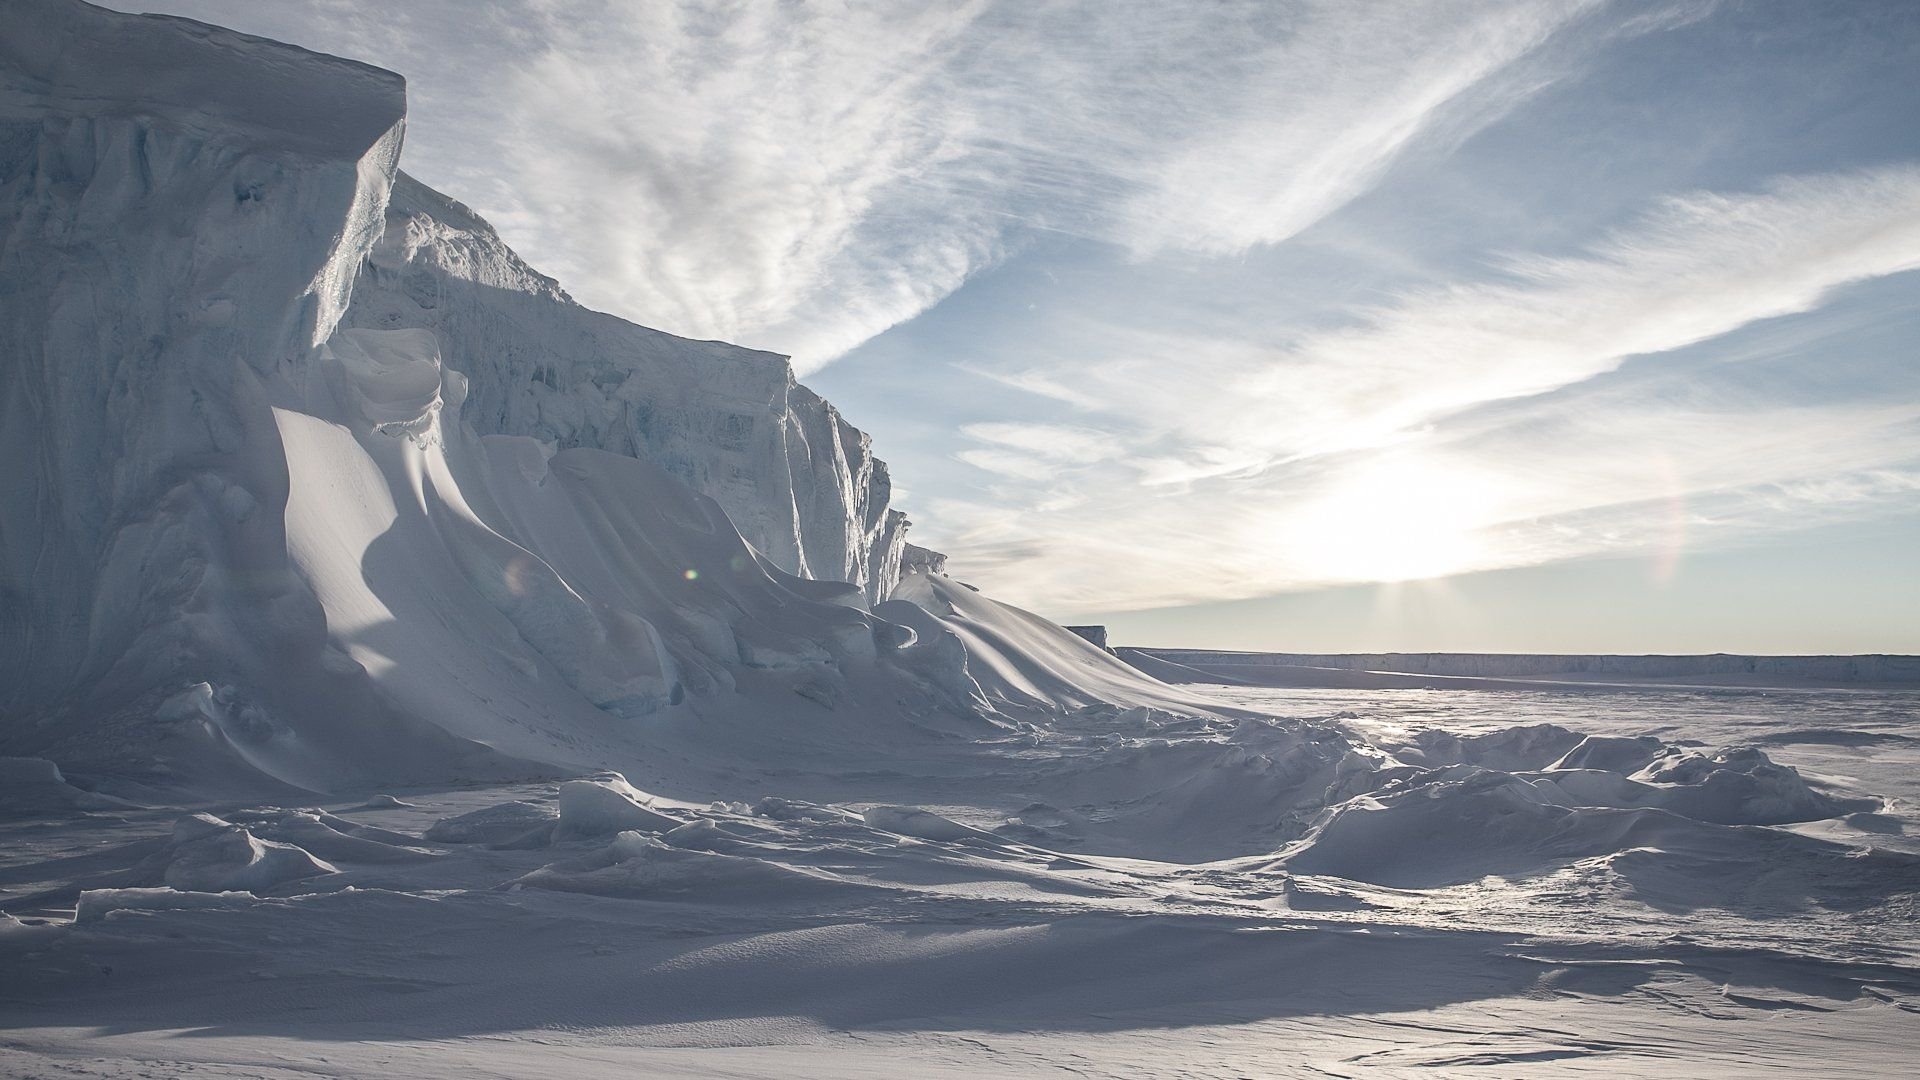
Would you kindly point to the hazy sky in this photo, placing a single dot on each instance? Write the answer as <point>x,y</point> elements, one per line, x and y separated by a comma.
<point>1204,319</point>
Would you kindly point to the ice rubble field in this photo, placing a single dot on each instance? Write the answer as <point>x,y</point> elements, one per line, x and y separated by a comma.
<point>1497,883</point>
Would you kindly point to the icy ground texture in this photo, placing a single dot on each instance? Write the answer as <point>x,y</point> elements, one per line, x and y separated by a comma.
<point>314,486</point>
<point>1417,885</point>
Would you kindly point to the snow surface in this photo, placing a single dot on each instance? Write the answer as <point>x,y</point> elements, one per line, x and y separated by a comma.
<point>344,560</point>
<point>1422,909</point>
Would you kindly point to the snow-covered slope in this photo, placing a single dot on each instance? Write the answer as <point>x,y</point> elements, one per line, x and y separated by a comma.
<point>316,483</point>
<point>1021,661</point>
<point>798,481</point>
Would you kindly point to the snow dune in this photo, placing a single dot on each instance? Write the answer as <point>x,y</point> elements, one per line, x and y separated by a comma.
<point>1446,916</point>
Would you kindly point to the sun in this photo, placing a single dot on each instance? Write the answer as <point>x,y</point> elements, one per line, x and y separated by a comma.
<point>1397,521</point>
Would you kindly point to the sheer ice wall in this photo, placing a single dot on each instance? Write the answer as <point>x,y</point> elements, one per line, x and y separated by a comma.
<point>799,482</point>
<point>182,211</point>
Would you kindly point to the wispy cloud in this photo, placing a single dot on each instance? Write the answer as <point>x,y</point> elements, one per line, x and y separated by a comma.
<point>1694,267</point>
<point>1008,463</point>
<point>1034,381</point>
<point>1327,109</point>
<point>1421,510</point>
<point>1383,447</point>
<point>1052,442</point>
<point>801,176</point>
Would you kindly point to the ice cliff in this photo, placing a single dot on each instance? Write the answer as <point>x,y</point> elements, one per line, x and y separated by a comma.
<point>1726,667</point>
<point>185,208</point>
<point>313,482</point>
<point>798,481</point>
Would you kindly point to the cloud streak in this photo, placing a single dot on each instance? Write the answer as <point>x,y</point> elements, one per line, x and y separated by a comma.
<point>1694,267</point>
<point>1461,427</point>
<point>1327,110</point>
<point>801,176</point>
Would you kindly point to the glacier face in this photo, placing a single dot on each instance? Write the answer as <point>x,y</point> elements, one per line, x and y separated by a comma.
<point>183,218</point>
<point>318,485</point>
<point>799,481</point>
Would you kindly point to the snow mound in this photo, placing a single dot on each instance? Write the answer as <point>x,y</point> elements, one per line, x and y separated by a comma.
<point>209,854</point>
<point>1512,749</point>
<point>778,809</point>
<point>1739,786</point>
<point>1612,753</point>
<point>1755,870</point>
<point>1729,786</point>
<point>610,805</point>
<point>36,784</point>
<point>1191,789</point>
<point>1458,824</point>
<point>637,866</point>
<point>1017,662</point>
<point>915,822</point>
<point>96,904</point>
<point>504,825</point>
<point>337,840</point>
<point>1599,797</point>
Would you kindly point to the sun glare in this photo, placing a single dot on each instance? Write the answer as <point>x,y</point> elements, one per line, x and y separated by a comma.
<point>1396,522</point>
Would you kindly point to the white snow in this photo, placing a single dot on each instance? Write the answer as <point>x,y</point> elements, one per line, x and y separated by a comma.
<point>36,784</point>
<point>598,807</point>
<point>211,855</point>
<point>95,905</point>
<point>913,821</point>
<point>511,824</point>
<point>1430,919</point>
<point>798,481</point>
<point>316,491</point>
<point>641,867</point>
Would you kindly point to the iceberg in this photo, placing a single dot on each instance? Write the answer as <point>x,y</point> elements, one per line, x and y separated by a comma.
<point>319,486</point>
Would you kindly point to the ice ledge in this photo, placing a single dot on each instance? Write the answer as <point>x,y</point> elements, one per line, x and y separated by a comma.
<point>74,58</point>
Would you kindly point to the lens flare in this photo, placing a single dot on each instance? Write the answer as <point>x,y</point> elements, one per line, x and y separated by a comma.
<point>1400,521</point>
